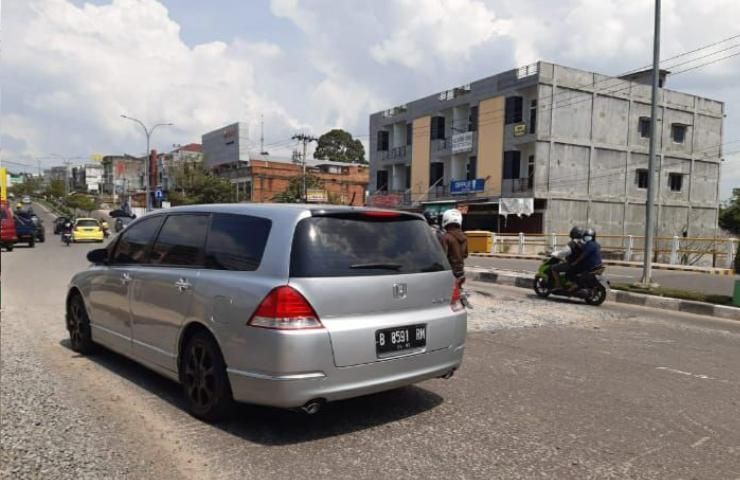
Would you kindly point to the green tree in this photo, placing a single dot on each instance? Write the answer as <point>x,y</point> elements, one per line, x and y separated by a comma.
<point>196,185</point>
<point>293,194</point>
<point>55,188</point>
<point>29,186</point>
<point>338,145</point>
<point>80,202</point>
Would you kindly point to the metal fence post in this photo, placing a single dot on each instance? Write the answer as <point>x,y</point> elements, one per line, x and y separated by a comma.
<point>628,250</point>
<point>674,250</point>
<point>521,243</point>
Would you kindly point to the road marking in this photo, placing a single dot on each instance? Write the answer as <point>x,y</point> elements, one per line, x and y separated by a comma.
<point>688,374</point>
<point>699,442</point>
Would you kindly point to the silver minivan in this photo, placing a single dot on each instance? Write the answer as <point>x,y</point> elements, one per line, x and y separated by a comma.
<point>281,305</point>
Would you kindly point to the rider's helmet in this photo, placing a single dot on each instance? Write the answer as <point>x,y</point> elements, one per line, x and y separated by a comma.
<point>589,234</point>
<point>430,217</point>
<point>452,217</point>
<point>576,233</point>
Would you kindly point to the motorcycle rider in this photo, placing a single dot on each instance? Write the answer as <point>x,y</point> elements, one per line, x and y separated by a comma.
<point>570,253</point>
<point>433,222</point>
<point>66,229</point>
<point>589,258</point>
<point>454,242</point>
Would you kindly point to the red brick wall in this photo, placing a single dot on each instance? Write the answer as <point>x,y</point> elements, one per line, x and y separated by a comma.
<point>271,178</point>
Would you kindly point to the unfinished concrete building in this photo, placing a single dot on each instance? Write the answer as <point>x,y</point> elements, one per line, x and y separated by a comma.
<point>574,141</point>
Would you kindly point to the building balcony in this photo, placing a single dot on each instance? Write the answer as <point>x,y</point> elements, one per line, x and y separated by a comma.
<point>395,154</point>
<point>518,187</point>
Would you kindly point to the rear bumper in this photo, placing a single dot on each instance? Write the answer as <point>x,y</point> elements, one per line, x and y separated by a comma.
<point>295,390</point>
<point>87,237</point>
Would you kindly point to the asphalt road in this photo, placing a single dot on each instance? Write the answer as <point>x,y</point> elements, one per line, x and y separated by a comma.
<point>549,389</point>
<point>698,282</point>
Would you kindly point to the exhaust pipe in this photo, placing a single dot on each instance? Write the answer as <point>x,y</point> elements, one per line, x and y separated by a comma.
<point>312,407</point>
<point>448,375</point>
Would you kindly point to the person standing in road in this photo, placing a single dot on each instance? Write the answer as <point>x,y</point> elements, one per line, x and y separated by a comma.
<point>455,243</point>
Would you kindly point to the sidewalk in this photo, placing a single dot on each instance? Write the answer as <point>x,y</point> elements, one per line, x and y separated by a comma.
<point>524,280</point>
<point>621,263</point>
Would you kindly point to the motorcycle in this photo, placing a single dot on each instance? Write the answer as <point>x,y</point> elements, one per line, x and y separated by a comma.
<point>106,229</point>
<point>67,233</point>
<point>590,286</point>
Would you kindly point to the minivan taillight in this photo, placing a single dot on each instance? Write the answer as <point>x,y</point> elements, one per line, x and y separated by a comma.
<point>455,302</point>
<point>285,309</point>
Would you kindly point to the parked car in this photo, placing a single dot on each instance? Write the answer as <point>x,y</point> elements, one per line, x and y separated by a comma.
<point>25,228</point>
<point>365,301</point>
<point>8,234</point>
<point>87,230</point>
<point>59,224</point>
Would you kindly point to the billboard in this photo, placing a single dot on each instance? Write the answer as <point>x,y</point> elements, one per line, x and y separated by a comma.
<point>459,187</point>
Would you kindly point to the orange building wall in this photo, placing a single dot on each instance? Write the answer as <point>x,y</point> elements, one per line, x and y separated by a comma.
<point>271,178</point>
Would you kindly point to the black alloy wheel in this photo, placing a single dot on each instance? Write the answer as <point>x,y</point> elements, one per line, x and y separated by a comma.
<point>205,383</point>
<point>596,296</point>
<point>542,286</point>
<point>78,325</point>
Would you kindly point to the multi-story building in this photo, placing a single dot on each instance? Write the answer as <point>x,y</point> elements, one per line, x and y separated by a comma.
<point>226,146</point>
<point>122,174</point>
<point>574,142</point>
<point>169,163</point>
<point>263,177</point>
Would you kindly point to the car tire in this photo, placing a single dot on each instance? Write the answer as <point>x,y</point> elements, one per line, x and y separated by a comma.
<point>205,383</point>
<point>78,326</point>
<point>32,242</point>
<point>9,248</point>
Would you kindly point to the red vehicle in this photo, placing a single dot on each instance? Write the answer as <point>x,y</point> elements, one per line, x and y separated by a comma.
<point>8,236</point>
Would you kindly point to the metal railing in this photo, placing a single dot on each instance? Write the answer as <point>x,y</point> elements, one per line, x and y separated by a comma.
<point>716,252</point>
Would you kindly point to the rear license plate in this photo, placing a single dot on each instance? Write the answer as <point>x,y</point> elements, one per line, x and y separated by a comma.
<point>400,338</point>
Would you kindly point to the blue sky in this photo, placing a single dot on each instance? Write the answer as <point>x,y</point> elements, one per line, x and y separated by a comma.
<point>70,68</point>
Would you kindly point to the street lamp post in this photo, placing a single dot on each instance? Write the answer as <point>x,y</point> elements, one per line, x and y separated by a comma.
<point>148,132</point>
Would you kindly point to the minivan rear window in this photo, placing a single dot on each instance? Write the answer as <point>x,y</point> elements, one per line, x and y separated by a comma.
<point>358,245</point>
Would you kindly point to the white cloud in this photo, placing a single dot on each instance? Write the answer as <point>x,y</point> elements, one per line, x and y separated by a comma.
<point>449,29</point>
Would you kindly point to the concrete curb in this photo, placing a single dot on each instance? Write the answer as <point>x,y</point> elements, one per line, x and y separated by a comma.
<point>515,279</point>
<point>621,263</point>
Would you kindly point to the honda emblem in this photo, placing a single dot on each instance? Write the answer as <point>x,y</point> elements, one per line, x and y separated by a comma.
<point>399,290</point>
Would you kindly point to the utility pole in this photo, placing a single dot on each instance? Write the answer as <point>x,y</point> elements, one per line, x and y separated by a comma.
<point>148,132</point>
<point>262,135</point>
<point>305,139</point>
<point>647,271</point>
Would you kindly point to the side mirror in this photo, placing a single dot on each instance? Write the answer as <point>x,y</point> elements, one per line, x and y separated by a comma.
<point>98,256</point>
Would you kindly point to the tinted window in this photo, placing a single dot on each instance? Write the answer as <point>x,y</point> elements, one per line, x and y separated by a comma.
<point>356,245</point>
<point>236,242</point>
<point>181,241</point>
<point>135,243</point>
<point>87,223</point>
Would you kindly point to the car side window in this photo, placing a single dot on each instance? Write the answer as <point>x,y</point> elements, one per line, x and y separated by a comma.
<point>135,243</point>
<point>181,241</point>
<point>236,242</point>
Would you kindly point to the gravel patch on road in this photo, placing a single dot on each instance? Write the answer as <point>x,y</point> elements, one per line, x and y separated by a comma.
<point>49,430</point>
<point>497,309</point>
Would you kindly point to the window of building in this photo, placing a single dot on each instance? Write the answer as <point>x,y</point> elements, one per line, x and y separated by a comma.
<point>642,178</point>
<point>473,119</point>
<point>514,106</point>
<point>409,133</point>
<point>383,140</point>
<point>644,127</point>
<point>181,241</point>
<point>236,242</point>
<point>512,164</point>
<point>530,172</point>
<point>381,180</point>
<point>532,116</point>
<point>678,132</point>
<point>407,177</point>
<point>438,128</point>
<point>675,181</point>
<point>136,241</point>
<point>472,168</point>
<point>436,173</point>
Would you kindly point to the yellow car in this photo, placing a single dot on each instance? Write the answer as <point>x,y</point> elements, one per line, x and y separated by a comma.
<point>87,230</point>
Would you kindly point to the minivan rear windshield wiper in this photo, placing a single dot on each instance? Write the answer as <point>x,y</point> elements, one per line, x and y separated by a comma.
<point>379,266</point>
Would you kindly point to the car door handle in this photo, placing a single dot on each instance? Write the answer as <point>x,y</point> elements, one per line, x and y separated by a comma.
<point>183,285</point>
<point>125,278</point>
